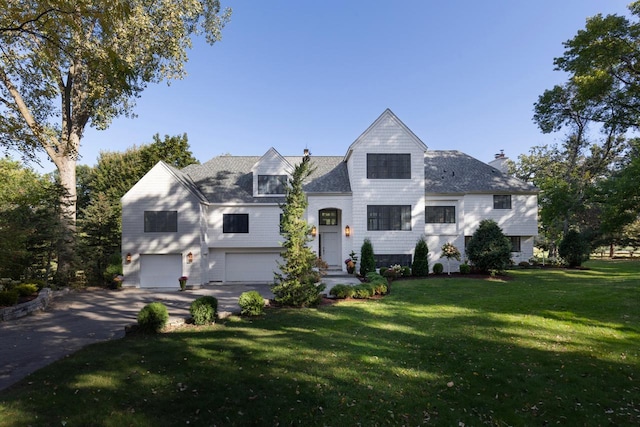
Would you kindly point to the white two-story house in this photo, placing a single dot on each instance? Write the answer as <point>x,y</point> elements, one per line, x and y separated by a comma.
<point>220,221</point>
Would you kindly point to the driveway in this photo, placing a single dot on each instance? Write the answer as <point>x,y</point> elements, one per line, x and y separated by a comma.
<point>80,318</point>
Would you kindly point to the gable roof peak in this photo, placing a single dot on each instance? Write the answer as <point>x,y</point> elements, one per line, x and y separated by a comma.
<point>386,117</point>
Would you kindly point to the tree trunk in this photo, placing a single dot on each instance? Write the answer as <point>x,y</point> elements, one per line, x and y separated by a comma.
<point>66,165</point>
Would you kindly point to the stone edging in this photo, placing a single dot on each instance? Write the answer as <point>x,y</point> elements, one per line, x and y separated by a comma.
<point>45,297</point>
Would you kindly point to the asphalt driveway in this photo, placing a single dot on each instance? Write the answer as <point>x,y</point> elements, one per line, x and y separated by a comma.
<point>80,318</point>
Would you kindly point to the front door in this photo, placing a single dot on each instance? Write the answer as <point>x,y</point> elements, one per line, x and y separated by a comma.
<point>330,248</point>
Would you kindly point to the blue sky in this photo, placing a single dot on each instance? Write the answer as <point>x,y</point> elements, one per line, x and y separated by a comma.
<point>291,74</point>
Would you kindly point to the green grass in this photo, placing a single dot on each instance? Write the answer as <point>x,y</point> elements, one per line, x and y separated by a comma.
<point>547,347</point>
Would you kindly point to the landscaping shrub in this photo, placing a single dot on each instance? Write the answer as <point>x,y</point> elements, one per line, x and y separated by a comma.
<point>379,287</point>
<point>489,249</point>
<point>113,269</point>
<point>26,289</point>
<point>465,269</point>
<point>420,266</point>
<point>406,271</point>
<point>204,310</point>
<point>524,264</point>
<point>251,303</point>
<point>574,249</point>
<point>383,270</point>
<point>368,262</point>
<point>8,298</point>
<point>342,291</point>
<point>363,291</point>
<point>153,317</point>
<point>438,268</point>
<point>373,276</point>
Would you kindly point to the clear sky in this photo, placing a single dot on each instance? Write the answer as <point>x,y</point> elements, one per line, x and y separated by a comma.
<point>462,74</point>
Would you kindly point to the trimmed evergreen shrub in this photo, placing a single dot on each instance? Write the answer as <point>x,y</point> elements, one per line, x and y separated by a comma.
<point>8,298</point>
<point>420,266</point>
<point>26,289</point>
<point>153,317</point>
<point>368,261</point>
<point>406,271</point>
<point>383,270</point>
<point>251,303</point>
<point>363,291</point>
<point>574,249</point>
<point>438,268</point>
<point>204,310</point>
<point>373,276</point>
<point>379,287</point>
<point>489,249</point>
<point>465,269</point>
<point>342,291</point>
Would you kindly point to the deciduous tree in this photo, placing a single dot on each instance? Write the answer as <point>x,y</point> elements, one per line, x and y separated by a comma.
<point>66,65</point>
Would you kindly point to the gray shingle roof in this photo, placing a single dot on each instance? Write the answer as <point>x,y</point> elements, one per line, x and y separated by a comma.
<point>228,179</point>
<point>453,172</point>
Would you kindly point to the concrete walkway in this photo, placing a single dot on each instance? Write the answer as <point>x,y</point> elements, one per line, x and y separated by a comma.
<point>81,318</point>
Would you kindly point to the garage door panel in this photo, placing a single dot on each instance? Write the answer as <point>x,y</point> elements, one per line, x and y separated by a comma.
<point>251,267</point>
<point>160,271</point>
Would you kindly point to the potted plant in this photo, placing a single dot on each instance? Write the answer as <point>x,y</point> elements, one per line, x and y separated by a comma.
<point>183,282</point>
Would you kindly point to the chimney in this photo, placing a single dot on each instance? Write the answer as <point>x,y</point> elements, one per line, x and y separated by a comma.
<point>306,152</point>
<point>500,155</point>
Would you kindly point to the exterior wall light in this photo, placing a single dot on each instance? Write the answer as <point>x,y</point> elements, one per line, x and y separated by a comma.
<point>314,231</point>
<point>128,258</point>
<point>347,231</point>
<point>189,258</point>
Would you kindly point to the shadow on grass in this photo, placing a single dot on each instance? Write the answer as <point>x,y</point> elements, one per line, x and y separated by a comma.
<point>440,352</point>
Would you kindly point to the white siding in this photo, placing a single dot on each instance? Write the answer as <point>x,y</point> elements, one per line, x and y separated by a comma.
<point>159,190</point>
<point>387,136</point>
<point>264,227</point>
<point>344,205</point>
<point>520,220</point>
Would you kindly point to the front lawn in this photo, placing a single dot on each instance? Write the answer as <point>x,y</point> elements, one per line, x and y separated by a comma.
<point>547,347</point>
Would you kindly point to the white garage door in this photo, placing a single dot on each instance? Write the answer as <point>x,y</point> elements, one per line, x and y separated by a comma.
<point>160,271</point>
<point>251,267</point>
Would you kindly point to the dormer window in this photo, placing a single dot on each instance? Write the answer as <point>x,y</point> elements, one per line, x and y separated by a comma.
<point>272,184</point>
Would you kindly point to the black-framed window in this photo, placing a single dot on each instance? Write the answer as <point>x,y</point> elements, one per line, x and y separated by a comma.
<point>387,260</point>
<point>502,201</point>
<point>328,217</point>
<point>160,221</point>
<point>389,217</point>
<point>440,214</point>
<point>272,184</point>
<point>515,243</point>
<point>235,223</point>
<point>388,166</point>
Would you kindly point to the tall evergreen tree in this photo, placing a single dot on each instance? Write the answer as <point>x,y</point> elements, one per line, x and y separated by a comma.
<point>368,260</point>
<point>420,266</point>
<point>295,284</point>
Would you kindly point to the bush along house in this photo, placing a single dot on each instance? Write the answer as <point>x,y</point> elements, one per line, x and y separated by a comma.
<point>220,221</point>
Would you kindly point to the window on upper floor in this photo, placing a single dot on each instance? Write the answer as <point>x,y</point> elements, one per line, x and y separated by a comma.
<point>235,223</point>
<point>515,243</point>
<point>440,214</point>
<point>160,221</point>
<point>388,217</point>
<point>388,166</point>
<point>502,201</point>
<point>328,217</point>
<point>272,184</point>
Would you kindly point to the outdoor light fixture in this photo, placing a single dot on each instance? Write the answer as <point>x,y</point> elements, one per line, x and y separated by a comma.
<point>189,258</point>
<point>314,231</point>
<point>128,258</point>
<point>347,231</point>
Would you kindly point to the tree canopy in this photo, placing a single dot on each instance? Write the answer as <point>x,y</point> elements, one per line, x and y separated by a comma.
<point>65,65</point>
<point>584,180</point>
